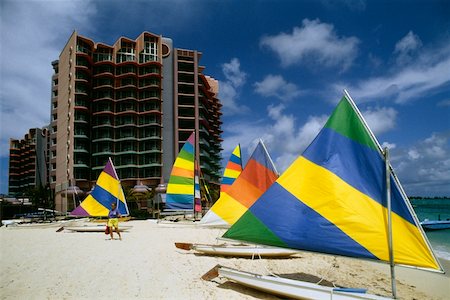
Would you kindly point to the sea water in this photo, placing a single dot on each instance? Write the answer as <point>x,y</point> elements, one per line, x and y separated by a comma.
<point>435,209</point>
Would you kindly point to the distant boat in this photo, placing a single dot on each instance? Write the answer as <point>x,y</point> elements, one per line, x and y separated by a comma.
<point>435,224</point>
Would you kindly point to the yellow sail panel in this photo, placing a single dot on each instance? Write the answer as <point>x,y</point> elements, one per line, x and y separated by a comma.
<point>356,214</point>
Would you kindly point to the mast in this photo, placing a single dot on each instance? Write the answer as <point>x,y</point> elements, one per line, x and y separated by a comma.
<point>389,220</point>
<point>270,158</point>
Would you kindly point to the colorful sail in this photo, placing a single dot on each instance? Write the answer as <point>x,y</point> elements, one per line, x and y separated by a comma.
<point>197,194</point>
<point>232,169</point>
<point>254,180</point>
<point>180,189</point>
<point>332,199</point>
<point>107,190</point>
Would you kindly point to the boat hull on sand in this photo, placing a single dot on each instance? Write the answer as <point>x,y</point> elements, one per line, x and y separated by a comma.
<point>287,287</point>
<point>96,228</point>
<point>240,250</point>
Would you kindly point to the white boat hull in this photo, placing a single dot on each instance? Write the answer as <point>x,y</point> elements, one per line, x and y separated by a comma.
<point>95,228</point>
<point>290,288</point>
<point>243,250</point>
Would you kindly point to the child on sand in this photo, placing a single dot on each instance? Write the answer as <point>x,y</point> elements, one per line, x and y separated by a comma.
<point>113,220</point>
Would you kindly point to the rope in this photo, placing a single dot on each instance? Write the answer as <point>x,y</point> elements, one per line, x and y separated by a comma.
<point>327,272</point>
<point>265,267</point>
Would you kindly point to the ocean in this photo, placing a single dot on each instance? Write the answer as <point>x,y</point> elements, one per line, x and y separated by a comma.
<point>435,209</point>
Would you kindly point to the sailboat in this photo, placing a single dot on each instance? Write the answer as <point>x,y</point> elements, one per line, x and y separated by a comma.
<point>340,197</point>
<point>106,191</point>
<point>232,170</point>
<point>183,187</point>
<point>257,176</point>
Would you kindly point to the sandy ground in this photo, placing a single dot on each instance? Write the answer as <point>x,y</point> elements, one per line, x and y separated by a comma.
<point>45,264</point>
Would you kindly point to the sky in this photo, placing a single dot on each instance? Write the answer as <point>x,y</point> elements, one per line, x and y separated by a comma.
<point>281,65</point>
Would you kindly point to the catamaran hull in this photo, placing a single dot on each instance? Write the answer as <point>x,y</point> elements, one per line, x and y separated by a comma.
<point>435,225</point>
<point>100,228</point>
<point>289,288</point>
<point>243,250</point>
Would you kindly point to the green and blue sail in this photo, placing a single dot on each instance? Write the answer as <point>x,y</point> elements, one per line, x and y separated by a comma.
<point>332,199</point>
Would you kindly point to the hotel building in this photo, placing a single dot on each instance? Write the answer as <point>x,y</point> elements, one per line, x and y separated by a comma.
<point>27,162</point>
<point>135,101</point>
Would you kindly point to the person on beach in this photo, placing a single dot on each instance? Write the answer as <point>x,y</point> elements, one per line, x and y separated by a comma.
<point>113,220</point>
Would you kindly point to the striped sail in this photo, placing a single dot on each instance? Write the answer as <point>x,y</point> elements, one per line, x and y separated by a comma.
<point>107,190</point>
<point>254,180</point>
<point>232,169</point>
<point>332,199</point>
<point>180,189</point>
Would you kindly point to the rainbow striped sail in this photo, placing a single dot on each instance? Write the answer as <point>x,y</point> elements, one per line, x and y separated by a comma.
<point>232,169</point>
<point>332,199</point>
<point>257,176</point>
<point>181,187</point>
<point>107,190</point>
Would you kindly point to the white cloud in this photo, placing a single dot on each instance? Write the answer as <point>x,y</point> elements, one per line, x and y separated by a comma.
<point>407,82</point>
<point>276,86</point>
<point>413,154</point>
<point>229,89</point>
<point>233,73</point>
<point>390,146</point>
<point>313,43</point>
<point>380,119</point>
<point>32,35</point>
<point>284,138</point>
<point>424,168</point>
<point>407,47</point>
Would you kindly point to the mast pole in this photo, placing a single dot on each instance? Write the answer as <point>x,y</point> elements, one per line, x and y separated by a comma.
<point>389,219</point>
<point>268,155</point>
<point>195,173</point>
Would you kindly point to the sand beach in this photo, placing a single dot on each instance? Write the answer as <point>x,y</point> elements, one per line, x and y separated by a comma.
<point>45,264</point>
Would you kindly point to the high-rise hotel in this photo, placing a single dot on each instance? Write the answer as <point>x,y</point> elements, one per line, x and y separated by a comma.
<point>136,101</point>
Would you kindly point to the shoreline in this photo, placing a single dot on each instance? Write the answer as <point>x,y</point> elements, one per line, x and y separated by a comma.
<point>43,263</point>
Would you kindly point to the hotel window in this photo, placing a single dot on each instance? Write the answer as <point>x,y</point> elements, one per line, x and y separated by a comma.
<point>103,54</point>
<point>148,70</point>
<point>126,53</point>
<point>150,51</point>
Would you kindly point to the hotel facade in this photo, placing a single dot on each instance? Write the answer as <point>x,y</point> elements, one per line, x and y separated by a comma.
<point>27,162</point>
<point>135,101</point>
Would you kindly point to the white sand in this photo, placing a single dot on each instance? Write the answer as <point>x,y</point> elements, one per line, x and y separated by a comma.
<point>44,264</point>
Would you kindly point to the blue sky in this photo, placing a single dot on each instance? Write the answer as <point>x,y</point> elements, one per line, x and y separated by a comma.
<point>282,66</point>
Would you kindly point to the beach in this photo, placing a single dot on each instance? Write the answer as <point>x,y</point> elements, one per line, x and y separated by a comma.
<point>45,264</point>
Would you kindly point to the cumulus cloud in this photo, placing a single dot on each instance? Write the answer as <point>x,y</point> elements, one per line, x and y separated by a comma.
<point>390,146</point>
<point>32,36</point>
<point>276,86</point>
<point>380,119</point>
<point>284,137</point>
<point>314,43</point>
<point>407,47</point>
<point>406,82</point>
<point>424,167</point>
<point>235,78</point>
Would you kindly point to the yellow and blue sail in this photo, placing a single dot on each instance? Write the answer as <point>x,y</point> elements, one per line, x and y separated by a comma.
<point>232,169</point>
<point>258,175</point>
<point>332,199</point>
<point>107,190</point>
<point>182,184</point>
